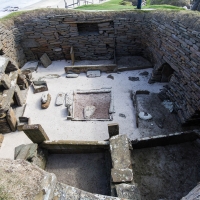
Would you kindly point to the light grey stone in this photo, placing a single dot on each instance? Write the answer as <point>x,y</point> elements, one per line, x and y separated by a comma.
<point>121,175</point>
<point>60,98</point>
<point>89,111</point>
<point>194,194</point>
<point>144,116</point>
<point>128,191</point>
<point>44,97</point>
<point>3,64</point>
<point>93,73</point>
<point>68,100</point>
<point>72,76</point>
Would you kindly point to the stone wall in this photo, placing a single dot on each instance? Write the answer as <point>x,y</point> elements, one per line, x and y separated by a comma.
<point>10,44</point>
<point>175,39</point>
<point>164,37</point>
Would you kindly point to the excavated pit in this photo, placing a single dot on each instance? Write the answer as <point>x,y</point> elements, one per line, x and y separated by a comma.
<point>166,172</point>
<point>89,171</point>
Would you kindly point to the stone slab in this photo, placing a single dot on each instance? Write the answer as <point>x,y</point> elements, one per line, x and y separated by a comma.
<point>1,139</point>
<point>93,73</point>
<point>84,68</point>
<point>3,64</point>
<point>72,193</point>
<point>40,86</point>
<point>35,133</point>
<point>11,119</point>
<point>120,153</point>
<point>121,175</point>
<point>45,60</point>
<point>128,191</point>
<point>6,99</point>
<point>18,96</point>
<point>5,81</point>
<point>72,76</point>
<point>60,98</point>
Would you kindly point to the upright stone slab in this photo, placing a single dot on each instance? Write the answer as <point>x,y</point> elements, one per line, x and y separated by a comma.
<point>11,119</point>
<point>3,64</point>
<point>1,139</point>
<point>18,96</point>
<point>126,191</point>
<point>5,81</point>
<point>120,153</point>
<point>113,129</point>
<point>35,133</point>
<point>72,55</point>
<point>45,60</point>
<point>6,99</point>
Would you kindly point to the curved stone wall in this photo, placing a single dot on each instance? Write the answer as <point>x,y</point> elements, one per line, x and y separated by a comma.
<point>164,37</point>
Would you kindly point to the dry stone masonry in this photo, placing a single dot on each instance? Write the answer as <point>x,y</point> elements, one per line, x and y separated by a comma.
<point>165,38</point>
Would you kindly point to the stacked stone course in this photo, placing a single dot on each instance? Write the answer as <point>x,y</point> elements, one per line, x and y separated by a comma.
<point>178,45</point>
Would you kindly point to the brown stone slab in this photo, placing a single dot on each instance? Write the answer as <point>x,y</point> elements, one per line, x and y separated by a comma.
<point>18,96</point>
<point>35,133</point>
<point>113,129</point>
<point>11,119</point>
<point>121,175</point>
<point>84,68</point>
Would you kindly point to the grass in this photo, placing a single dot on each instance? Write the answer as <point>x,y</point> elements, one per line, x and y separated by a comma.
<point>117,5</point>
<point>12,15</point>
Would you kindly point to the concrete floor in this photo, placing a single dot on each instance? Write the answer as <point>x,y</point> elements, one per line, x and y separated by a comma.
<point>54,119</point>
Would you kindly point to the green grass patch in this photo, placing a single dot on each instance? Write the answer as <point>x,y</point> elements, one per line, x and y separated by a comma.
<point>163,7</point>
<point>124,5</point>
<point>12,15</point>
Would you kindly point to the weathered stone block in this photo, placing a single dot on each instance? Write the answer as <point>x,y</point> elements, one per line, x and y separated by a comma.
<point>121,175</point>
<point>5,81</point>
<point>35,133</point>
<point>127,191</point>
<point>6,99</point>
<point>3,64</point>
<point>45,60</point>
<point>18,96</point>
<point>120,153</point>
